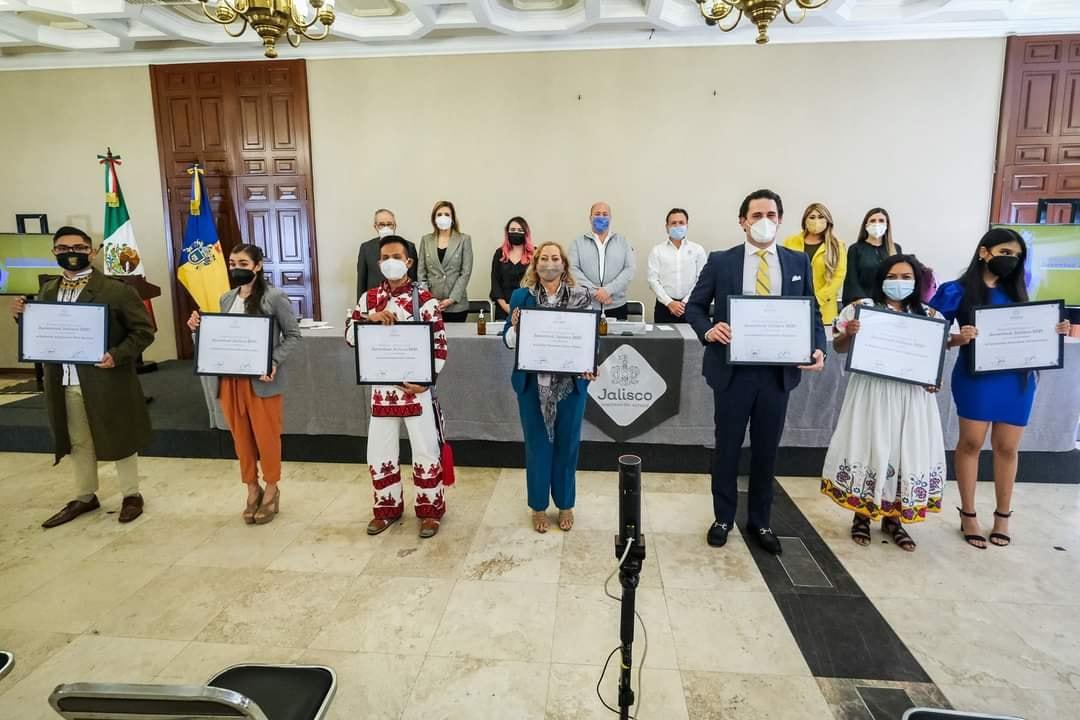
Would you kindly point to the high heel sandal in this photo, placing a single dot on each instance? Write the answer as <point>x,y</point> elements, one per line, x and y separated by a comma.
<point>1001,536</point>
<point>252,507</point>
<point>267,510</point>
<point>971,539</point>
<point>860,530</point>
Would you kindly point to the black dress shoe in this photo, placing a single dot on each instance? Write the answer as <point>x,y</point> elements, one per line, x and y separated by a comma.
<point>717,535</point>
<point>72,510</point>
<point>767,539</point>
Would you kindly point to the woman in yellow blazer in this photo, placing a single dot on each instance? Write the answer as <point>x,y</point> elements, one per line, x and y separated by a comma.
<point>828,258</point>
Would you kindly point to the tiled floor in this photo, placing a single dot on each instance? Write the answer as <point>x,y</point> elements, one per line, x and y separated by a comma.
<point>491,620</point>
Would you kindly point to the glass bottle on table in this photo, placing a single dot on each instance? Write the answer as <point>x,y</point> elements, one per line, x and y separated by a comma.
<point>481,324</point>
<point>603,323</point>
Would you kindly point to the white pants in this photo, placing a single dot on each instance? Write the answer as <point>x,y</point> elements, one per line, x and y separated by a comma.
<point>382,454</point>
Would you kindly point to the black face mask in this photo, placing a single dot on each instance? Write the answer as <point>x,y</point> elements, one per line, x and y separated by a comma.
<point>73,261</point>
<point>240,276</point>
<point>516,238</point>
<point>1002,265</point>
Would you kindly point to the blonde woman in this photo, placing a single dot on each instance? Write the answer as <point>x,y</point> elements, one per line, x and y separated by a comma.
<point>551,407</point>
<point>827,255</point>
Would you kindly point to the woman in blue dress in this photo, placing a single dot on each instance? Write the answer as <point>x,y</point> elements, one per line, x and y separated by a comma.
<point>999,402</point>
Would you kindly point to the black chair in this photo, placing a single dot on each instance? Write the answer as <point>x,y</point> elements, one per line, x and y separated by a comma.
<point>475,306</point>
<point>7,661</point>
<point>933,714</point>
<point>249,692</point>
<point>635,311</point>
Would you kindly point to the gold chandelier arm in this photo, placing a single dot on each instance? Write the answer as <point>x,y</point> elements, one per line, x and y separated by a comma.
<point>809,4</point>
<point>239,32</point>
<point>212,15</point>
<point>300,22</point>
<point>732,26</point>
<point>802,16</point>
<point>322,36</point>
<point>293,38</point>
<point>717,12</point>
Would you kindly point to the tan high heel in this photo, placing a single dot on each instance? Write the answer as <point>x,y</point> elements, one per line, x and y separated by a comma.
<point>267,511</point>
<point>251,507</point>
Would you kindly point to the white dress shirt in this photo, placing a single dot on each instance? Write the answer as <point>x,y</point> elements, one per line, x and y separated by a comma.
<point>673,271</point>
<point>70,295</point>
<point>601,248</point>
<point>750,267</point>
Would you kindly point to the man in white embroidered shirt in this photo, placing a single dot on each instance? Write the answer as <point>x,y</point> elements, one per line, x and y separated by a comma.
<point>674,266</point>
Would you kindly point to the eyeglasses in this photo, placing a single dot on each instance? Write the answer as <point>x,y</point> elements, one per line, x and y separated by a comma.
<point>84,249</point>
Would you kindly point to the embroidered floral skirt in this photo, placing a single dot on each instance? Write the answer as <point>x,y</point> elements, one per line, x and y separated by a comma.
<point>887,455</point>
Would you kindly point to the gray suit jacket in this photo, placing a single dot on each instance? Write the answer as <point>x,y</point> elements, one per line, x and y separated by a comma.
<point>618,266</point>
<point>275,304</point>
<point>449,278</point>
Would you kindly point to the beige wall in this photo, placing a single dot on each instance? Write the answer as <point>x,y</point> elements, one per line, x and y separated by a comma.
<point>53,125</point>
<point>910,125</point>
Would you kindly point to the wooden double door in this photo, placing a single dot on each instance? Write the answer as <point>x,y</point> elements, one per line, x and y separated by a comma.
<point>1038,157</point>
<point>246,124</point>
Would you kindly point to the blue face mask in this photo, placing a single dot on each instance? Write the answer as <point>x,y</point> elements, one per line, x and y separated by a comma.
<point>601,223</point>
<point>677,232</point>
<point>897,289</point>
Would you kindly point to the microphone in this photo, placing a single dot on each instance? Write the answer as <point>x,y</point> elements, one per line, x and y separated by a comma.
<point>629,500</point>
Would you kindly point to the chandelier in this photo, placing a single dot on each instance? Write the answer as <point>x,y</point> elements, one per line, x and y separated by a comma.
<point>760,12</point>
<point>273,18</point>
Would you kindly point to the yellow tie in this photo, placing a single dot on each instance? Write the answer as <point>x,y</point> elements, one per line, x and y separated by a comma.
<point>761,282</point>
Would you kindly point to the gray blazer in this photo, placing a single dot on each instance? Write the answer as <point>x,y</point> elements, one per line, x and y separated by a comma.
<point>449,278</point>
<point>618,266</point>
<point>275,304</point>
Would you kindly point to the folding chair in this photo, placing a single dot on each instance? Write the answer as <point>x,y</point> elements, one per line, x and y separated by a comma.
<point>635,311</point>
<point>475,306</point>
<point>249,692</point>
<point>933,714</point>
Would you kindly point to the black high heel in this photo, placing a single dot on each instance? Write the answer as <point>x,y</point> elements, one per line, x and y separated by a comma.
<point>1001,536</point>
<point>971,539</point>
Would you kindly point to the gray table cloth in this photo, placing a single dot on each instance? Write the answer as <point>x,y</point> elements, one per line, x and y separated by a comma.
<point>322,397</point>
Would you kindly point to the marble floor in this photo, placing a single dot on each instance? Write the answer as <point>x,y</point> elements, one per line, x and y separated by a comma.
<point>491,620</point>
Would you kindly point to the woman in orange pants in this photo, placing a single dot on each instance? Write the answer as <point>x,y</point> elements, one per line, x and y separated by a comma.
<point>253,407</point>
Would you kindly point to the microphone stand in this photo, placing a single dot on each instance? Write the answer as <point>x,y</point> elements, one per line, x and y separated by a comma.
<point>631,543</point>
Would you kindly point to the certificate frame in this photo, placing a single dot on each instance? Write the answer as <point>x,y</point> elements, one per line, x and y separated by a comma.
<point>974,362</point>
<point>595,354</point>
<point>862,310</point>
<point>257,372</point>
<point>801,299</point>
<point>100,308</point>
<point>375,328</point>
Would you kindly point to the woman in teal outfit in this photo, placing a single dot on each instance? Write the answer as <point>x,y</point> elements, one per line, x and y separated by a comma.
<point>551,407</point>
<point>999,402</point>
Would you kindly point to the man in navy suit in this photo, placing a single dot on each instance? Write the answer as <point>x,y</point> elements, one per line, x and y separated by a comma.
<point>754,394</point>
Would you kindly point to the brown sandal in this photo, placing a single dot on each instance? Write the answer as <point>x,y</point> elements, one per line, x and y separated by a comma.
<point>378,525</point>
<point>566,520</point>
<point>540,522</point>
<point>429,527</point>
<point>252,507</point>
<point>267,510</point>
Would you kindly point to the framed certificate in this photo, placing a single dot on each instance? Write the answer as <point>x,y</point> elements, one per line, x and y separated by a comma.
<point>898,346</point>
<point>55,332</point>
<point>233,344</point>
<point>394,354</point>
<point>1019,336</point>
<point>557,341</point>
<point>770,330</point>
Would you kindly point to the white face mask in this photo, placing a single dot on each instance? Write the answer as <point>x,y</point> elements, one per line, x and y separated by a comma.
<point>393,269</point>
<point>443,222</point>
<point>764,230</point>
<point>384,231</point>
<point>877,229</point>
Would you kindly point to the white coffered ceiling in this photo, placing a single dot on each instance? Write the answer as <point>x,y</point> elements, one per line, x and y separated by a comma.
<point>75,33</point>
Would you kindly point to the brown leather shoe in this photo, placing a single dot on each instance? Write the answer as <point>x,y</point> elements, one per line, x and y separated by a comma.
<point>378,525</point>
<point>131,508</point>
<point>428,527</point>
<point>72,510</point>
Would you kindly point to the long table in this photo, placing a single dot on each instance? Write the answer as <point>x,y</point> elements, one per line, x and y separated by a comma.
<point>322,397</point>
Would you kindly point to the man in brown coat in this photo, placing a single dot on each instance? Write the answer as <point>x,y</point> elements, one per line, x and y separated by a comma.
<point>97,412</point>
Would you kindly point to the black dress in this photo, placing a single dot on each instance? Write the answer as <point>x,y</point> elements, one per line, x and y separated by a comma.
<point>862,264</point>
<point>505,279</point>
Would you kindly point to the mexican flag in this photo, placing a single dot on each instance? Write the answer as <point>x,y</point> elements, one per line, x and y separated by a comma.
<point>121,254</point>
